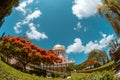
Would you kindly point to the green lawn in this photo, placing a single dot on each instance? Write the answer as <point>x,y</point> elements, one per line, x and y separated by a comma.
<point>9,73</point>
<point>76,76</point>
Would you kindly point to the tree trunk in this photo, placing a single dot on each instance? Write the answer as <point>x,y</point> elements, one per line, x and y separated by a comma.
<point>24,67</point>
<point>7,60</point>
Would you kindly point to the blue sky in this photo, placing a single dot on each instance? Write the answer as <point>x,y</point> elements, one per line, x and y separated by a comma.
<point>72,23</point>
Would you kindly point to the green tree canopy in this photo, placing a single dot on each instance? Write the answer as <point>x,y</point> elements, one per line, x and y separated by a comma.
<point>100,55</point>
<point>26,52</point>
<point>111,11</point>
<point>6,8</point>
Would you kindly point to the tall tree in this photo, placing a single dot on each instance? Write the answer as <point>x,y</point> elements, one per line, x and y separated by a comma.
<point>101,56</point>
<point>25,52</point>
<point>6,8</point>
<point>111,11</point>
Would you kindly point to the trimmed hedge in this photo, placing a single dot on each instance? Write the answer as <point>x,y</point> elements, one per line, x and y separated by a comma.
<point>107,66</point>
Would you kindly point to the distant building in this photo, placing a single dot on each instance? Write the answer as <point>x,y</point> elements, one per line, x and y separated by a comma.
<point>60,50</point>
<point>61,67</point>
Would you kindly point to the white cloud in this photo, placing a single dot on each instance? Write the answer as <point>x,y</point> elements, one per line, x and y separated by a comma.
<point>85,29</point>
<point>17,28</point>
<point>22,6</point>
<point>85,8</point>
<point>27,20</point>
<point>29,15</point>
<point>103,35</point>
<point>29,1</point>
<point>77,46</point>
<point>106,39</point>
<point>90,46</point>
<point>32,16</point>
<point>34,34</point>
<point>78,27</point>
<point>103,43</point>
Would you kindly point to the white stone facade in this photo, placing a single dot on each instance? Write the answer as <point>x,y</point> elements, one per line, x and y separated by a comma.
<point>60,50</point>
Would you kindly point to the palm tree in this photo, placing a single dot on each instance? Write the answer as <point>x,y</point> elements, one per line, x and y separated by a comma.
<point>111,11</point>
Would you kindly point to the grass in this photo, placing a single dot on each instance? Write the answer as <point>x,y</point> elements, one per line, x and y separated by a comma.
<point>76,76</point>
<point>9,73</point>
<point>104,75</point>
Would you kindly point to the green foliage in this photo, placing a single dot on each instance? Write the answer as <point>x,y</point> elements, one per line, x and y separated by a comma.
<point>26,52</point>
<point>56,74</point>
<point>79,67</point>
<point>111,11</point>
<point>9,73</point>
<point>107,66</point>
<point>96,58</point>
<point>4,73</point>
<point>104,75</point>
<point>97,53</point>
<point>6,8</point>
<point>71,67</point>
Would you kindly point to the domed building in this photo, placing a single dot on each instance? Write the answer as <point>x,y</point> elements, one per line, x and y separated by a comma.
<point>60,50</point>
<point>60,67</point>
<point>58,47</point>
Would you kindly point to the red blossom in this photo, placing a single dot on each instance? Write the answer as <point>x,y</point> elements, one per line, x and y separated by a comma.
<point>30,54</point>
<point>38,54</point>
<point>32,50</point>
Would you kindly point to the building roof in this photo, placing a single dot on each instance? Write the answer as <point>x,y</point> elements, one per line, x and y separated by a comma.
<point>58,47</point>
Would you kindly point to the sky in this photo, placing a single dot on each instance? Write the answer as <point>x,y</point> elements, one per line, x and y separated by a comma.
<point>75,24</point>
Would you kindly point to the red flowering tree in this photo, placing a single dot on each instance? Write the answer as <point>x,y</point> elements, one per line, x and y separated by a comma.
<point>5,49</point>
<point>25,52</point>
<point>53,58</point>
<point>90,62</point>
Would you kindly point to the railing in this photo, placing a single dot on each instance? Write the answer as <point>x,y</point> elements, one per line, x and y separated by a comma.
<point>53,67</point>
<point>50,69</point>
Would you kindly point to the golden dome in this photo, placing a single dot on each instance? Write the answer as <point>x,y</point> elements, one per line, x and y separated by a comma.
<point>58,47</point>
